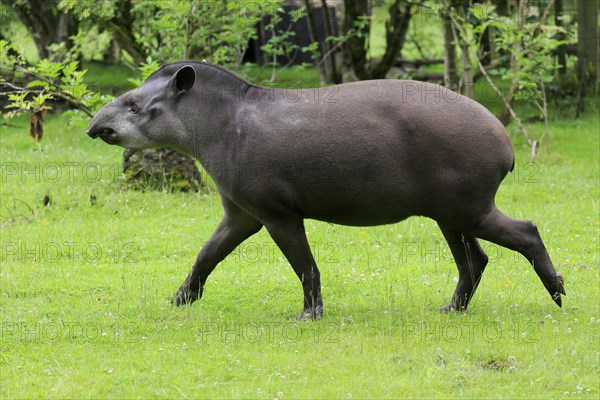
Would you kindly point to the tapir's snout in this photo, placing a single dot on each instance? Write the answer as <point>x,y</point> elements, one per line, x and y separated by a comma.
<point>102,125</point>
<point>100,129</point>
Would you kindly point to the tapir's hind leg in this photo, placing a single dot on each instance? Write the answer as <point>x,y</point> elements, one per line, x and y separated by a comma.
<point>290,237</point>
<point>522,236</point>
<point>470,260</point>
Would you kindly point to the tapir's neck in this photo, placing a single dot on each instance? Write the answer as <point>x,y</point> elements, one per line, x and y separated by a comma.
<point>210,117</point>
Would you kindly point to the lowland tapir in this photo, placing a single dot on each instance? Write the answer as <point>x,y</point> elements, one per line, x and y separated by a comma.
<point>363,153</point>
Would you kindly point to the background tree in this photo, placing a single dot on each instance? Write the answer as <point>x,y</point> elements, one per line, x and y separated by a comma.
<point>450,67</point>
<point>46,22</point>
<point>513,45</point>
<point>587,49</point>
<point>356,25</point>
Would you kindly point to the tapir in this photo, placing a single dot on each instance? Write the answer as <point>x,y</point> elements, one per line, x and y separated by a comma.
<point>360,154</point>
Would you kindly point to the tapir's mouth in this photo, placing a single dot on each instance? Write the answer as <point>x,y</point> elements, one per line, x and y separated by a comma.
<point>108,135</point>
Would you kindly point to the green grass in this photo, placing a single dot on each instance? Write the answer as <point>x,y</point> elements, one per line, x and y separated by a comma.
<point>85,286</point>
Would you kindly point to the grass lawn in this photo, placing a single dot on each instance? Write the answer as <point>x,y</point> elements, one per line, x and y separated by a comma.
<point>85,283</point>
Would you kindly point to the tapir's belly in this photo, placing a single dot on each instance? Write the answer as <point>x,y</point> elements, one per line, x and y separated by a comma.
<point>358,213</point>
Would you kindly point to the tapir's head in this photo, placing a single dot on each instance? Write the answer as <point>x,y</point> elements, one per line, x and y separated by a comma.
<point>146,117</point>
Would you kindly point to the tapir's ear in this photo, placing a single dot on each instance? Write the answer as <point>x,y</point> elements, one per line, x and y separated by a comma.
<point>183,80</point>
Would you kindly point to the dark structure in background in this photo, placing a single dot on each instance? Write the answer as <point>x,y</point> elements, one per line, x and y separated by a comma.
<point>254,54</point>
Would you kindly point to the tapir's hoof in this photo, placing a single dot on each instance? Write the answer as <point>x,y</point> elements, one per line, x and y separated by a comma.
<point>452,308</point>
<point>184,297</point>
<point>559,288</point>
<point>310,314</point>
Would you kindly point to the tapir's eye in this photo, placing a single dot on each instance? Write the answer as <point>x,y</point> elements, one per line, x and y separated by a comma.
<point>133,110</point>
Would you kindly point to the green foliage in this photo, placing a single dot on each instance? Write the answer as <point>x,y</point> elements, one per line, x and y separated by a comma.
<point>279,44</point>
<point>146,69</point>
<point>531,48</point>
<point>91,43</point>
<point>90,9</point>
<point>279,47</point>
<point>174,30</point>
<point>48,80</point>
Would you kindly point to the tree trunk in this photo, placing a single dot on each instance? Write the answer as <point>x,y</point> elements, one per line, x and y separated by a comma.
<point>467,76</point>
<point>355,48</point>
<point>333,75</point>
<point>502,7</point>
<point>395,34</point>
<point>450,67</point>
<point>121,26</point>
<point>466,82</point>
<point>561,51</point>
<point>505,116</point>
<point>46,23</point>
<point>587,49</point>
<point>310,24</point>
<point>161,169</point>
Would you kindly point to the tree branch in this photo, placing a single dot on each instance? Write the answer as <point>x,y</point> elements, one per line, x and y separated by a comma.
<point>54,91</point>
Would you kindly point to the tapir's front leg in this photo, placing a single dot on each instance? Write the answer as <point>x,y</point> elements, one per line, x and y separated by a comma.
<point>235,227</point>
<point>290,237</point>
